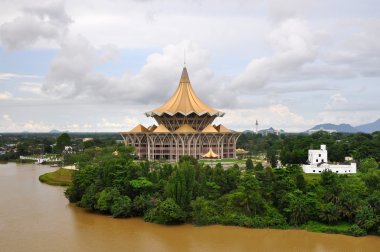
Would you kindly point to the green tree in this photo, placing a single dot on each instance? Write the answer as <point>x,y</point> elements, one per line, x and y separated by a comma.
<point>301,207</point>
<point>272,157</point>
<point>367,163</point>
<point>180,185</point>
<point>203,212</point>
<point>167,212</point>
<point>249,165</point>
<point>121,207</point>
<point>328,213</point>
<point>62,141</point>
<point>106,199</point>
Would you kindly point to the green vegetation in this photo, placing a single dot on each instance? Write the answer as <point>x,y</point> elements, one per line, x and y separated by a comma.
<point>292,148</point>
<point>193,192</point>
<point>61,177</point>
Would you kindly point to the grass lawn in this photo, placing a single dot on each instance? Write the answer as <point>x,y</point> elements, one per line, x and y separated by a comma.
<point>310,178</point>
<point>61,177</point>
<point>224,160</point>
<point>340,228</point>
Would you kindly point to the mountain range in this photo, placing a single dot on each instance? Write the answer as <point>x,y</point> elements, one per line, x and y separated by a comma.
<point>347,128</point>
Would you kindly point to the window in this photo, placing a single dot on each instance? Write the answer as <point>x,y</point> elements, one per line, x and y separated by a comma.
<point>319,155</point>
<point>316,160</point>
<point>313,170</point>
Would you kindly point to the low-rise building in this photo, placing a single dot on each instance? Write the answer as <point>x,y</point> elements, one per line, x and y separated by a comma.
<point>317,163</point>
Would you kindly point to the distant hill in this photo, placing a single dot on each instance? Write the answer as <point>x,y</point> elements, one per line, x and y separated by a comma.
<point>369,127</point>
<point>54,131</point>
<point>347,128</point>
<point>344,128</point>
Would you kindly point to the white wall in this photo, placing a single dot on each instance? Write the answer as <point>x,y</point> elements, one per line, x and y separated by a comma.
<point>340,169</point>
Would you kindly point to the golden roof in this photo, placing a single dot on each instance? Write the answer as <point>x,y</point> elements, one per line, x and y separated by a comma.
<point>184,101</point>
<point>161,129</point>
<point>152,127</point>
<point>139,129</point>
<point>241,151</point>
<point>210,154</point>
<point>185,128</point>
<point>221,128</point>
<point>209,129</point>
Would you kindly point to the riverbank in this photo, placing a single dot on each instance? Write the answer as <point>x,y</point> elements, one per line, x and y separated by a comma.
<point>60,177</point>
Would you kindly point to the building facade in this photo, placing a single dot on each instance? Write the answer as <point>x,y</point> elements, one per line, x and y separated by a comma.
<point>184,127</point>
<point>317,163</point>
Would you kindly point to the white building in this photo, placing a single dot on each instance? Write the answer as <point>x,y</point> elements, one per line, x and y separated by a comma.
<point>317,160</point>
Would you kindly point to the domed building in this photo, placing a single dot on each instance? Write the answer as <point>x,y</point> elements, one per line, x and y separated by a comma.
<point>184,127</point>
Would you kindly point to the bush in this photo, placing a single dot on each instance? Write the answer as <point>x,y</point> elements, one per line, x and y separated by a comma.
<point>167,212</point>
<point>121,207</point>
<point>355,230</point>
<point>203,212</point>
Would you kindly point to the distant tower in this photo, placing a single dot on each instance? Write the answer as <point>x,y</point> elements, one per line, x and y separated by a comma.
<point>257,125</point>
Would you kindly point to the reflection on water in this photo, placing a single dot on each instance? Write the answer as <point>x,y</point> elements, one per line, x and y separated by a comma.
<point>37,217</point>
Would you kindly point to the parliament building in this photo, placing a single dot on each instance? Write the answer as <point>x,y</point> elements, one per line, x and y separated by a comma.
<point>184,127</point>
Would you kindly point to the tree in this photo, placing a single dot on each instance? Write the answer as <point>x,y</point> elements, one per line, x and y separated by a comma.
<point>272,157</point>
<point>301,207</point>
<point>121,207</point>
<point>367,163</point>
<point>106,199</point>
<point>259,167</point>
<point>247,196</point>
<point>180,185</point>
<point>167,212</point>
<point>249,165</point>
<point>328,213</point>
<point>62,141</point>
<point>203,213</point>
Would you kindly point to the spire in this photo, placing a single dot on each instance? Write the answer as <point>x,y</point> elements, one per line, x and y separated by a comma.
<point>184,76</point>
<point>184,101</point>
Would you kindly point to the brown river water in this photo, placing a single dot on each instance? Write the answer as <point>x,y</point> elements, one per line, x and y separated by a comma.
<point>37,217</point>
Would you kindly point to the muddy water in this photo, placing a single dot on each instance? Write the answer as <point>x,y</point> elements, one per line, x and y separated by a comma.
<point>37,217</point>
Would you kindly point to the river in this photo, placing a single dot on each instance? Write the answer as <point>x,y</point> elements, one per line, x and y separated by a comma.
<point>37,217</point>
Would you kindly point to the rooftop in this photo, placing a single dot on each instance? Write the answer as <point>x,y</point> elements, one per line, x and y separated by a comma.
<point>184,101</point>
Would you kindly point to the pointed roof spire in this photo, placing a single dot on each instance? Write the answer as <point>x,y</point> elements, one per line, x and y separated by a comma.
<point>184,101</point>
<point>184,77</point>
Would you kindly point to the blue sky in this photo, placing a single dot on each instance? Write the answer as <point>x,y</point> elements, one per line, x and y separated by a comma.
<point>99,65</point>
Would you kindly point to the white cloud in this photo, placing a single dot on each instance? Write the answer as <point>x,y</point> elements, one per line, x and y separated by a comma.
<point>5,95</point>
<point>337,101</point>
<point>31,87</point>
<point>47,21</point>
<point>278,116</point>
<point>72,73</point>
<point>293,45</point>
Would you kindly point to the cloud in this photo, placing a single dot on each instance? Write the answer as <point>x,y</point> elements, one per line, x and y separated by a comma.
<point>9,76</point>
<point>47,21</point>
<point>31,87</point>
<point>72,73</point>
<point>337,101</point>
<point>8,125</point>
<point>5,95</point>
<point>359,53</point>
<point>278,116</point>
<point>293,46</point>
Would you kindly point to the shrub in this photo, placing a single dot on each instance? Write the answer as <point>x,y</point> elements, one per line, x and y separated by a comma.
<point>167,212</point>
<point>355,230</point>
<point>121,207</point>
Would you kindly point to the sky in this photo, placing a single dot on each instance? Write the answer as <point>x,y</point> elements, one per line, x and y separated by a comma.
<point>97,65</point>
